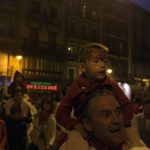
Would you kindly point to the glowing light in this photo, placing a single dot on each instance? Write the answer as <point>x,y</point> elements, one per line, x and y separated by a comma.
<point>126,89</point>
<point>19,57</point>
<point>109,71</point>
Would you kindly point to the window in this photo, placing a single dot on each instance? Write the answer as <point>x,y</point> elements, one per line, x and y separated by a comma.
<point>72,27</point>
<point>84,10</point>
<point>35,7</point>
<point>71,6</point>
<point>6,27</point>
<point>83,30</point>
<point>94,14</point>
<point>52,38</point>
<point>34,34</point>
<point>53,12</point>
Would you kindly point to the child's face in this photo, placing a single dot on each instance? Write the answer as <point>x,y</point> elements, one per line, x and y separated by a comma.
<point>94,65</point>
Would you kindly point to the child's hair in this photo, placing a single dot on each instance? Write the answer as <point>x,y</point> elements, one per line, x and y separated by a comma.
<point>85,50</point>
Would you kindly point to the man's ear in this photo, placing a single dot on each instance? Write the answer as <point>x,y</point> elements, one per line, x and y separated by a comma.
<point>82,67</point>
<point>87,125</point>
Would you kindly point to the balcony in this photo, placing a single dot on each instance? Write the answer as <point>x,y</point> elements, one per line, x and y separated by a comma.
<point>44,17</point>
<point>7,33</point>
<point>40,48</point>
<point>41,75</point>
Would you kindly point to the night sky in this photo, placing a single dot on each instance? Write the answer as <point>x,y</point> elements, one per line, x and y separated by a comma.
<point>143,3</point>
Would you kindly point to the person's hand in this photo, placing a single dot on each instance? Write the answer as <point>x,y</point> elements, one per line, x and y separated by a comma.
<point>81,130</point>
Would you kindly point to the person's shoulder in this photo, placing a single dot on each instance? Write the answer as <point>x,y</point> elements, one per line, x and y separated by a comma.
<point>75,141</point>
<point>109,81</point>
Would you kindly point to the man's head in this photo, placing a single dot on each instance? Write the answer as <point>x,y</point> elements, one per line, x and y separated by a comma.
<point>18,77</point>
<point>92,60</point>
<point>103,118</point>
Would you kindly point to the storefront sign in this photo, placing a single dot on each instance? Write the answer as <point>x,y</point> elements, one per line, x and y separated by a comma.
<point>35,85</point>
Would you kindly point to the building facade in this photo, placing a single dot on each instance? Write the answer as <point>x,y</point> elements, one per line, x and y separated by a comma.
<point>140,44</point>
<point>48,34</point>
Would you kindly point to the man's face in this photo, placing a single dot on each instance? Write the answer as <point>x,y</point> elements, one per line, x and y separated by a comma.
<point>94,65</point>
<point>106,122</point>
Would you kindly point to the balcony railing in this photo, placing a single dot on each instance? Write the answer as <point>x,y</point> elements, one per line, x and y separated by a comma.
<point>43,48</point>
<point>43,75</point>
<point>4,33</point>
<point>44,17</point>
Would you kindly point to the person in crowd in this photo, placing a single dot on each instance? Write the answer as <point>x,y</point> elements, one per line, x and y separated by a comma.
<point>44,127</point>
<point>3,135</point>
<point>102,120</point>
<point>142,120</point>
<point>4,90</point>
<point>17,118</point>
<point>17,82</point>
<point>92,59</point>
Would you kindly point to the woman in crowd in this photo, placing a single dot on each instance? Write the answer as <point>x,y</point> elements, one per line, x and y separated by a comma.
<point>44,127</point>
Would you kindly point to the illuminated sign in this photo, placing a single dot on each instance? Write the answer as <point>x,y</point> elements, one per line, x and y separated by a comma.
<point>41,86</point>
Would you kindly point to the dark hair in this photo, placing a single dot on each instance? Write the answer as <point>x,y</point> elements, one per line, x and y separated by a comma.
<point>85,50</point>
<point>17,73</point>
<point>85,108</point>
<point>48,100</point>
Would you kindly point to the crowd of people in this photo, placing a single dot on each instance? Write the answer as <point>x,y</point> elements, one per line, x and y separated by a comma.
<point>93,114</point>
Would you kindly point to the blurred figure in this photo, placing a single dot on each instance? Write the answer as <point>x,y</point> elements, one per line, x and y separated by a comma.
<point>5,94</point>
<point>44,127</point>
<point>3,135</point>
<point>142,120</point>
<point>17,82</point>
<point>17,117</point>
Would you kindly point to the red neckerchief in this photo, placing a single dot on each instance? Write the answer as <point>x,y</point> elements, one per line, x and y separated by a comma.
<point>43,117</point>
<point>99,146</point>
<point>147,115</point>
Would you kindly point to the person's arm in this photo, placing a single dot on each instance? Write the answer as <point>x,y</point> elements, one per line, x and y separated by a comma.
<point>52,131</point>
<point>63,112</point>
<point>124,103</point>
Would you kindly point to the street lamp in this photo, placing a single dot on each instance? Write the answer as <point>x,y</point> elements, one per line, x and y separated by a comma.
<point>19,57</point>
<point>109,71</point>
